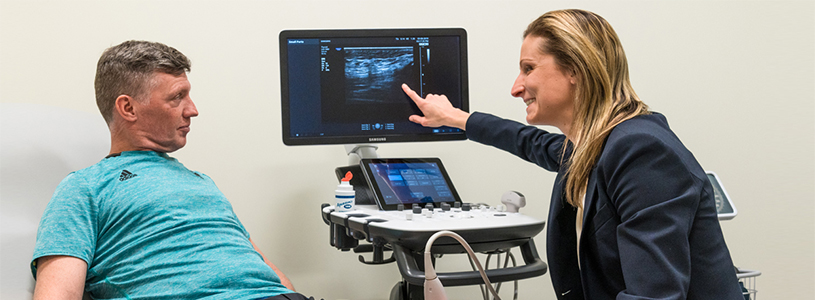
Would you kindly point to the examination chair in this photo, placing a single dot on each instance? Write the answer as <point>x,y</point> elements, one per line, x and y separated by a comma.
<point>39,146</point>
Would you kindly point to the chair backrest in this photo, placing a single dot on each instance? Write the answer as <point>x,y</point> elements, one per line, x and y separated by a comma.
<point>39,146</point>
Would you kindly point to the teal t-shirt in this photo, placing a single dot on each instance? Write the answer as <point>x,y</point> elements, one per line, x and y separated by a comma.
<point>148,227</point>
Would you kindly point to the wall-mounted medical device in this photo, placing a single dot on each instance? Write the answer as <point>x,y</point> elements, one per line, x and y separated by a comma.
<point>724,205</point>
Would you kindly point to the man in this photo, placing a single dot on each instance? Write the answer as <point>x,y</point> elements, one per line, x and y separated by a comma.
<point>139,224</point>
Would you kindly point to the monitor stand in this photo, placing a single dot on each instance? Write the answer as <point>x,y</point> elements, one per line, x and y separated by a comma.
<point>359,152</point>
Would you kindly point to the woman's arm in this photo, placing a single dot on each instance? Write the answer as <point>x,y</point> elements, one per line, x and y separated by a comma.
<point>437,110</point>
<point>656,194</point>
<point>527,142</point>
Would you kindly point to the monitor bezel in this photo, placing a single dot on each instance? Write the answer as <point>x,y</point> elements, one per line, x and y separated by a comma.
<point>351,33</point>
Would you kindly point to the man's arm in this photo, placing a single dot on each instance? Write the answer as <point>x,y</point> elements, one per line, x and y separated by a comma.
<point>60,277</point>
<point>283,279</point>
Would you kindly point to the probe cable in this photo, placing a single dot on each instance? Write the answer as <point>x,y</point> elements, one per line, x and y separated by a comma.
<point>433,288</point>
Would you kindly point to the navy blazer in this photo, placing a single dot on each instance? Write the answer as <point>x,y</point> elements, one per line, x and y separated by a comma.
<point>650,228</point>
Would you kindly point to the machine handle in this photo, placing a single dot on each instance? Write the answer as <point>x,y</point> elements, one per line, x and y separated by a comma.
<point>533,267</point>
<point>378,250</point>
<point>324,215</point>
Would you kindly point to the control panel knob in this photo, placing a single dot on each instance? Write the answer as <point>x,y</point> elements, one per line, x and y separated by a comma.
<point>417,209</point>
<point>445,207</point>
<point>465,207</point>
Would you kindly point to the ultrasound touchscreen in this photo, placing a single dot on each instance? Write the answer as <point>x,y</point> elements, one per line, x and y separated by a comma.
<point>344,86</point>
<point>409,181</point>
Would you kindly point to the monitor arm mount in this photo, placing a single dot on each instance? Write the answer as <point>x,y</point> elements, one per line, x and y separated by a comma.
<point>359,152</point>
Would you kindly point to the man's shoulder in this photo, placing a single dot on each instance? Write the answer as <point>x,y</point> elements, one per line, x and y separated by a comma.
<point>87,172</point>
<point>99,174</point>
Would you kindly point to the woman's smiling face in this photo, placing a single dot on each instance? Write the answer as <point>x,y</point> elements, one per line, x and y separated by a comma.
<point>544,86</point>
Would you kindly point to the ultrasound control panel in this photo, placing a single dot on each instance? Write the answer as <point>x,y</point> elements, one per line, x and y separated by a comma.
<point>406,231</point>
<point>482,227</point>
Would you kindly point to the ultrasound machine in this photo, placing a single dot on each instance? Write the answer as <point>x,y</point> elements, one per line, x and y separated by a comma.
<point>344,87</point>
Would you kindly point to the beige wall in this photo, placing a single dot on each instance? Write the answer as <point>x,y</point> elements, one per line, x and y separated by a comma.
<point>734,78</point>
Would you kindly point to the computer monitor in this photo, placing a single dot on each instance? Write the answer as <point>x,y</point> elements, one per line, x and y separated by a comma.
<point>344,86</point>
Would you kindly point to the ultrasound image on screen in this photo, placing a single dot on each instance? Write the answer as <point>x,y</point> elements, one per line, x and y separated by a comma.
<point>375,74</point>
<point>346,86</point>
<point>362,84</point>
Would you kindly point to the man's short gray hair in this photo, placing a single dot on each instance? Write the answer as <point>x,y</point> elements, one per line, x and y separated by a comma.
<point>128,68</point>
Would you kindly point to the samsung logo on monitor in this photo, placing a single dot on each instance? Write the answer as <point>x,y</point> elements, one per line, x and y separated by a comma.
<point>378,139</point>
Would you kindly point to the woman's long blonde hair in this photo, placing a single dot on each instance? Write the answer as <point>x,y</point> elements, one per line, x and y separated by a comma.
<point>584,43</point>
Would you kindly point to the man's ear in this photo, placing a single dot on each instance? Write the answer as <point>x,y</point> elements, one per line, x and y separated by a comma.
<point>124,107</point>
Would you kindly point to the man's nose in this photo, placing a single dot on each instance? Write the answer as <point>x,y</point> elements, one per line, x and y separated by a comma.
<point>191,110</point>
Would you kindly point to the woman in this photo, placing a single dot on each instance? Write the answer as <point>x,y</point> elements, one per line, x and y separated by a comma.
<point>632,213</point>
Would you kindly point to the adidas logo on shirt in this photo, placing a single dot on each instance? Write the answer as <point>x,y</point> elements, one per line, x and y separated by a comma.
<point>126,175</point>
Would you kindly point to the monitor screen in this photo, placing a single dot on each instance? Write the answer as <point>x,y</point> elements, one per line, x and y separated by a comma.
<point>344,86</point>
